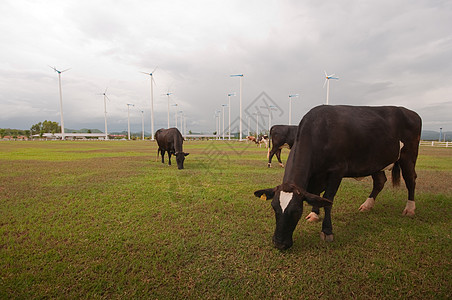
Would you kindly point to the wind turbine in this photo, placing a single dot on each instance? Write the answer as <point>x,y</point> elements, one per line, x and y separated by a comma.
<point>105,111</point>
<point>128,119</point>
<point>229,108</point>
<point>240,127</point>
<point>152,100</point>
<point>327,82</point>
<point>290,107</point>
<point>61,99</point>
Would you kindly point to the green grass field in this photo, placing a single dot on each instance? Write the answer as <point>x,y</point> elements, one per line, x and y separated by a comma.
<point>106,220</point>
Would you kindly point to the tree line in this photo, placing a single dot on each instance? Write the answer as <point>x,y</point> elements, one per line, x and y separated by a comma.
<point>39,128</point>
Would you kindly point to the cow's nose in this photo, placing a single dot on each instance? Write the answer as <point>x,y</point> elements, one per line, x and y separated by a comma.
<point>282,245</point>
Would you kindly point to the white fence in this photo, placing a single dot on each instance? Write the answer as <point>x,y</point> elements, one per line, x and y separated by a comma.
<point>436,144</point>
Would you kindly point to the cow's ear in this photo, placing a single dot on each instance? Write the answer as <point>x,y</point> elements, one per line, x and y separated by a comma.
<point>315,200</point>
<point>186,154</point>
<point>266,194</point>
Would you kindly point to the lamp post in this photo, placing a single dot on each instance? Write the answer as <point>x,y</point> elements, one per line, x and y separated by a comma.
<point>128,119</point>
<point>290,107</point>
<point>229,108</point>
<point>270,108</point>
<point>240,121</point>
<point>222,108</point>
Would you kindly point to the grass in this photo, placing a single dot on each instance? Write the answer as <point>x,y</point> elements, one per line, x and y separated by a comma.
<point>106,220</point>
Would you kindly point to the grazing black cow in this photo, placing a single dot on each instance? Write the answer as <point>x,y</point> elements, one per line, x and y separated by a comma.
<point>171,140</point>
<point>343,141</point>
<point>281,136</point>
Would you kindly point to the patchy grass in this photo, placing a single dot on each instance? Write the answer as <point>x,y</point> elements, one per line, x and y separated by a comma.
<point>106,220</point>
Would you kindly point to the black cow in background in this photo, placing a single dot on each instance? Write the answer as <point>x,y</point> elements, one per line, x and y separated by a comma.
<point>171,140</point>
<point>334,142</point>
<point>281,136</point>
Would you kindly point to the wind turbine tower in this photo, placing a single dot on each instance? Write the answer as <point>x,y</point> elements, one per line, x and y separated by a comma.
<point>327,82</point>
<point>152,101</point>
<point>61,100</point>
<point>105,112</point>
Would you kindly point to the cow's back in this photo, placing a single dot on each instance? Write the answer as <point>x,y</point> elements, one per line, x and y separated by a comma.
<point>359,139</point>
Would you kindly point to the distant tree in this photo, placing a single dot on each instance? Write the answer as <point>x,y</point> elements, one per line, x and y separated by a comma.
<point>45,127</point>
<point>189,132</point>
<point>2,133</point>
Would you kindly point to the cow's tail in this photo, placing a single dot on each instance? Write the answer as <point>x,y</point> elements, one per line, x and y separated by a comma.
<point>396,174</point>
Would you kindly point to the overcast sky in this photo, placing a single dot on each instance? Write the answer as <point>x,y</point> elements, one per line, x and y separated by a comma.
<point>384,52</point>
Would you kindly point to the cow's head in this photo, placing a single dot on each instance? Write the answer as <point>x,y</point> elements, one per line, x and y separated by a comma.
<point>288,206</point>
<point>180,157</point>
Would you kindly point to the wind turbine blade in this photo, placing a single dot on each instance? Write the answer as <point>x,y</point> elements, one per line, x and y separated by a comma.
<point>106,90</point>
<point>65,70</point>
<point>144,72</point>
<point>107,97</point>
<point>154,69</point>
<point>326,74</point>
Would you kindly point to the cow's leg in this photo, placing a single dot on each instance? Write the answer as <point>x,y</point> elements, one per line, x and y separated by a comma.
<point>270,156</point>
<point>163,155</point>
<point>169,158</point>
<point>409,175</point>
<point>327,227</point>
<point>278,156</point>
<point>379,179</point>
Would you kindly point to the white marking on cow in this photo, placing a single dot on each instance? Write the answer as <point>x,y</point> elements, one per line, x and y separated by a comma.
<point>284,200</point>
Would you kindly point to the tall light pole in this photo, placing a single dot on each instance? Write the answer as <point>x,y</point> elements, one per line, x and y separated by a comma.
<point>440,134</point>
<point>128,119</point>
<point>175,114</point>
<point>181,114</point>
<point>152,101</point>
<point>229,108</point>
<point>270,108</point>
<point>168,94</point>
<point>257,123</point>
<point>249,119</point>
<point>222,107</point>
<point>240,121</point>
<point>61,100</point>
<point>142,124</point>
<point>290,107</point>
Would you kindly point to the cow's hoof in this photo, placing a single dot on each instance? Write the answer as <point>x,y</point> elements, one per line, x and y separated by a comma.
<point>312,217</point>
<point>409,209</point>
<point>326,237</point>
<point>282,166</point>
<point>367,205</point>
